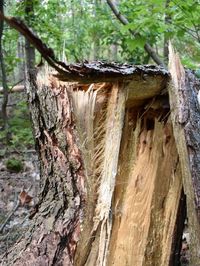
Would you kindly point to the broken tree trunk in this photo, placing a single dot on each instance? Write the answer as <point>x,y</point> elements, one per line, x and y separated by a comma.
<point>111,179</point>
<point>185,112</point>
<point>112,164</point>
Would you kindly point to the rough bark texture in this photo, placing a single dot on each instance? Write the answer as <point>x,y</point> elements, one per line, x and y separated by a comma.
<point>186,123</point>
<point>178,231</point>
<point>57,218</point>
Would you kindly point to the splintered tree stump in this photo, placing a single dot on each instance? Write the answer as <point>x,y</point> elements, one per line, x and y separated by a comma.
<point>116,162</point>
<point>112,171</point>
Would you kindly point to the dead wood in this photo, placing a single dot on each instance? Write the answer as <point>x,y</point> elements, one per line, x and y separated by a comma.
<point>185,113</point>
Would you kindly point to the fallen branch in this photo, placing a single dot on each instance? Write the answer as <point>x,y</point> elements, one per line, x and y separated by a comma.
<point>18,88</point>
<point>20,201</point>
<point>9,216</point>
<point>125,21</point>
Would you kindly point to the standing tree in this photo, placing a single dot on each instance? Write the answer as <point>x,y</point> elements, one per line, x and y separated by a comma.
<point>30,50</point>
<point>3,73</point>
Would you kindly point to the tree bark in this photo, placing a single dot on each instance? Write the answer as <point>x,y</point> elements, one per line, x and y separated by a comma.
<point>56,219</point>
<point>183,92</point>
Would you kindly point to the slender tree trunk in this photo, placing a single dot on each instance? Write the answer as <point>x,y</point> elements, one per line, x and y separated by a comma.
<point>166,38</point>
<point>21,54</point>
<point>3,71</point>
<point>30,50</point>
<point>96,37</point>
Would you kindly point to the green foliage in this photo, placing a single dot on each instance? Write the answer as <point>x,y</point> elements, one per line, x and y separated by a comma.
<point>19,134</point>
<point>87,29</point>
<point>14,165</point>
<point>20,126</point>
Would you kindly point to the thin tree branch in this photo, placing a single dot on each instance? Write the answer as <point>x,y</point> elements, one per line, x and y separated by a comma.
<point>125,21</point>
<point>9,216</point>
<point>189,14</point>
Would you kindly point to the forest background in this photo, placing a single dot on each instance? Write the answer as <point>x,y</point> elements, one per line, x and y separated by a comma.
<point>79,30</point>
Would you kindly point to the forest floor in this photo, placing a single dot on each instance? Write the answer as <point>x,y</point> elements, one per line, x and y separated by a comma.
<point>18,194</point>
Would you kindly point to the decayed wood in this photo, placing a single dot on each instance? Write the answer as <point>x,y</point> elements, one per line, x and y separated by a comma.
<point>111,179</point>
<point>147,194</point>
<point>178,232</point>
<point>184,104</point>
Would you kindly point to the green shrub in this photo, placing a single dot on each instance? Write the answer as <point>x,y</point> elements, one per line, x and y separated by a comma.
<point>20,130</point>
<point>14,165</point>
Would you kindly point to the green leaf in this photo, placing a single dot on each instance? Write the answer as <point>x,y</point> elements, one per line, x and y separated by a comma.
<point>135,43</point>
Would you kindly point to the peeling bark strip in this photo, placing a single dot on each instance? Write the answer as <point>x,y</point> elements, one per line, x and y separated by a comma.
<point>185,111</point>
<point>57,219</point>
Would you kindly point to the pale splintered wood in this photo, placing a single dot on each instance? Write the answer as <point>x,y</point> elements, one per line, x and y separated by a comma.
<point>102,220</point>
<point>185,119</point>
<point>146,213</point>
<point>100,118</point>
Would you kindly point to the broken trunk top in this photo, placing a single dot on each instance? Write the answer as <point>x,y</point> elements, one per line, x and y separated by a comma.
<point>84,72</point>
<point>108,72</point>
<point>141,82</point>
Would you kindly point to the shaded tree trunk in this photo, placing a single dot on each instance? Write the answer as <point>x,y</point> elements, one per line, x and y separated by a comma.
<point>30,50</point>
<point>21,54</point>
<point>166,38</point>
<point>3,72</point>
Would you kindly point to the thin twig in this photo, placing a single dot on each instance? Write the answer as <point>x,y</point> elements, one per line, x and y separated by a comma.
<point>9,216</point>
<point>15,84</point>
<point>12,212</point>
